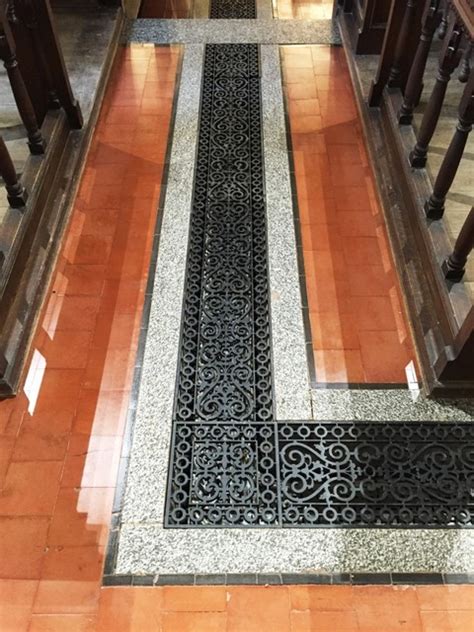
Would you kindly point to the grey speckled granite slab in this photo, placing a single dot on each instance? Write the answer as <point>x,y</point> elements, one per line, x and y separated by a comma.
<point>387,405</point>
<point>234,31</point>
<point>149,549</point>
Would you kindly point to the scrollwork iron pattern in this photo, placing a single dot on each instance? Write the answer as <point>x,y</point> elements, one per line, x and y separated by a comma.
<point>233,9</point>
<point>223,475</point>
<point>232,464</point>
<point>224,366</point>
<point>322,474</point>
<point>376,474</point>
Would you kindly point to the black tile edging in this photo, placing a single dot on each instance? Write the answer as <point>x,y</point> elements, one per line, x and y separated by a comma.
<point>288,579</point>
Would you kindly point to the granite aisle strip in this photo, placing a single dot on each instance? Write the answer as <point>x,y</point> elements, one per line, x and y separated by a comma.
<point>261,31</point>
<point>396,404</point>
<point>144,496</point>
<point>290,368</point>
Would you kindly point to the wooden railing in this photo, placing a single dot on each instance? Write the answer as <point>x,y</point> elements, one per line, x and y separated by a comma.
<point>432,261</point>
<point>33,60</point>
<point>455,19</point>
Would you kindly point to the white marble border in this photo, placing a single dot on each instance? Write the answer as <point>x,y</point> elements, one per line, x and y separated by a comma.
<point>146,481</point>
<point>290,366</point>
<point>149,549</point>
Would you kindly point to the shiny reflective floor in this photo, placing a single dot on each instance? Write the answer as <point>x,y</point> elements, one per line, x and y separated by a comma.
<point>303,9</point>
<point>61,437</point>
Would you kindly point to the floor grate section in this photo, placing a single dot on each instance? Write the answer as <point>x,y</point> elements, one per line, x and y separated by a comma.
<point>232,464</point>
<point>233,9</point>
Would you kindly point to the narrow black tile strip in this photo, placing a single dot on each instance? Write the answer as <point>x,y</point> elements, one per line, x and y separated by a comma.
<point>359,579</point>
<point>233,9</point>
<point>252,579</point>
<point>421,578</point>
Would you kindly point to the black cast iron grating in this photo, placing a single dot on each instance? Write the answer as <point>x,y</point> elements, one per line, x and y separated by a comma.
<point>233,9</point>
<point>231,463</point>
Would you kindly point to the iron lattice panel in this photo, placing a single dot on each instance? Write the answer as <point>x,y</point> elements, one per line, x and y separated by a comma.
<point>376,474</point>
<point>232,464</point>
<point>223,475</point>
<point>322,474</point>
<point>224,367</point>
<point>233,9</point>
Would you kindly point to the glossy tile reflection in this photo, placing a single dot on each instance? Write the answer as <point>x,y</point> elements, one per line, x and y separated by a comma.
<point>354,301</point>
<point>61,436</point>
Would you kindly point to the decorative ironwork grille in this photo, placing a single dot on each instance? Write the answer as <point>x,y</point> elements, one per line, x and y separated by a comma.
<point>233,9</point>
<point>232,464</point>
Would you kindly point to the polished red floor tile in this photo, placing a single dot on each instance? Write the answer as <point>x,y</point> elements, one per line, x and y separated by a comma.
<point>353,293</point>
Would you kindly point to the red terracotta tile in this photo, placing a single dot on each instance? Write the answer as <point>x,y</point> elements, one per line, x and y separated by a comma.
<point>22,546</point>
<point>101,412</point>
<point>38,442</point>
<point>194,622</point>
<point>16,601</point>
<point>70,313</point>
<point>91,461</point>
<point>331,330</point>
<point>325,598</point>
<point>359,251</point>
<point>373,313</point>
<point>387,608</point>
<point>272,613</point>
<point>369,280</point>
<point>20,497</point>
<point>61,623</point>
<point>11,415</point>
<point>320,621</point>
<point>130,609</point>
<point>58,393</point>
<point>195,598</point>
<point>356,224</point>
<point>81,517</point>
<point>452,621</point>
<point>339,366</point>
<point>455,597</point>
<point>110,369</point>
<point>77,342</point>
<point>66,596</point>
<point>79,280</point>
<point>383,357</point>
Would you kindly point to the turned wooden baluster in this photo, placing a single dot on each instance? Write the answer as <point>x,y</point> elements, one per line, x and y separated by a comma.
<point>448,60</point>
<point>454,266</point>
<point>16,193</point>
<point>403,37</point>
<point>54,58</point>
<point>443,27</point>
<point>430,20</point>
<point>465,68</point>
<point>30,20</point>
<point>434,207</point>
<point>36,142</point>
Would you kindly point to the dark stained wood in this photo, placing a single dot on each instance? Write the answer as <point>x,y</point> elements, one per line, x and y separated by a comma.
<point>55,60</point>
<point>449,58</point>
<point>454,266</point>
<point>36,142</point>
<point>366,21</point>
<point>404,35</point>
<point>397,13</point>
<point>434,207</point>
<point>430,20</point>
<point>16,193</point>
<point>465,67</point>
<point>442,321</point>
